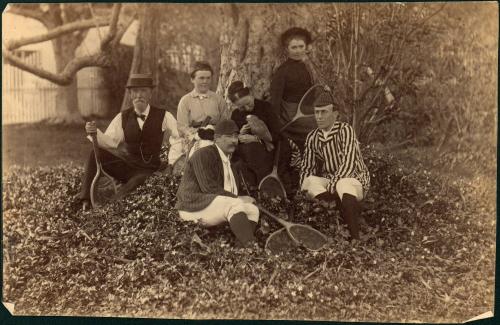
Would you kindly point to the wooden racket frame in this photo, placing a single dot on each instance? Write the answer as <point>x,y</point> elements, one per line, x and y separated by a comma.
<point>99,172</point>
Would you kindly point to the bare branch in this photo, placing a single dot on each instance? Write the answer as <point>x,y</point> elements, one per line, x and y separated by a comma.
<point>121,31</point>
<point>29,11</point>
<point>92,13</point>
<point>66,76</point>
<point>425,20</point>
<point>115,15</point>
<point>56,32</point>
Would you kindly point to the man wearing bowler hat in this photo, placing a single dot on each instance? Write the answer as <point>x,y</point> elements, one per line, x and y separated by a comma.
<point>130,147</point>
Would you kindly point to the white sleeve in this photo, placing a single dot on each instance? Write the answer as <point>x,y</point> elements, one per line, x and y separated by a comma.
<point>176,144</point>
<point>170,125</point>
<point>114,133</point>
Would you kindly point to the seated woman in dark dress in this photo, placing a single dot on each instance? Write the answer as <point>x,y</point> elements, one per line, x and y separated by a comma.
<point>254,155</point>
<point>290,82</point>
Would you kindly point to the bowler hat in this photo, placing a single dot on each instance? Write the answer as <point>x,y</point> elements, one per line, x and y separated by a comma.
<point>226,127</point>
<point>140,80</point>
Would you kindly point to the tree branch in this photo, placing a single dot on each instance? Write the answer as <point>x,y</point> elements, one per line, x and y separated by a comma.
<point>425,20</point>
<point>100,59</point>
<point>27,10</point>
<point>122,30</point>
<point>115,15</point>
<point>56,32</point>
<point>66,76</point>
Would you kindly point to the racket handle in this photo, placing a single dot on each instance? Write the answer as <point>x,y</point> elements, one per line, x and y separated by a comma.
<point>95,146</point>
<point>272,215</point>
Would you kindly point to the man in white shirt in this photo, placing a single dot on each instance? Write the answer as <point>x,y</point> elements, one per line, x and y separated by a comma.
<point>130,147</point>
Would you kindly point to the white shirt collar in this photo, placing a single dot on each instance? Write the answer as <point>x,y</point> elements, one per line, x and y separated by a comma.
<point>333,129</point>
<point>229,180</point>
<point>325,133</point>
<point>225,159</point>
<point>196,94</point>
<point>146,112</point>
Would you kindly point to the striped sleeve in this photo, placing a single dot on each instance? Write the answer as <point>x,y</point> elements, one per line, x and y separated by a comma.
<point>308,165</point>
<point>348,162</point>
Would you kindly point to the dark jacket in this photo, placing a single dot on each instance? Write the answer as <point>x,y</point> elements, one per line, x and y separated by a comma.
<point>202,181</point>
<point>289,83</point>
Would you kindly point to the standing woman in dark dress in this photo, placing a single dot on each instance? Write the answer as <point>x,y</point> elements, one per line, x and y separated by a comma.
<point>290,82</point>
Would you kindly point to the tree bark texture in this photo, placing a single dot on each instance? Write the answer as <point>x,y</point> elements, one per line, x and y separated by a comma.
<point>250,49</point>
<point>146,52</point>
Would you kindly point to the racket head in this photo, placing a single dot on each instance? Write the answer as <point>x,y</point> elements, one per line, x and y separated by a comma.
<point>103,188</point>
<point>280,242</point>
<point>312,97</point>
<point>271,187</point>
<point>308,237</point>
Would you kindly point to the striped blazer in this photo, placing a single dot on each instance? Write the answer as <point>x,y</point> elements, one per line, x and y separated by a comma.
<point>334,157</point>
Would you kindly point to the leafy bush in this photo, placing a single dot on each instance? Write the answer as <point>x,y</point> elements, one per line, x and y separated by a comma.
<point>428,253</point>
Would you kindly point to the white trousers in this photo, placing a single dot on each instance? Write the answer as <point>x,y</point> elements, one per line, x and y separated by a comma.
<point>222,209</point>
<point>315,185</point>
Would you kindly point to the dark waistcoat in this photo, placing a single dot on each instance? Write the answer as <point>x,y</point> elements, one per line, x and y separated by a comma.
<point>145,144</point>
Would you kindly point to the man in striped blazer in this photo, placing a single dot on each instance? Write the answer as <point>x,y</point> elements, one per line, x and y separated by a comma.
<point>332,166</point>
<point>208,192</point>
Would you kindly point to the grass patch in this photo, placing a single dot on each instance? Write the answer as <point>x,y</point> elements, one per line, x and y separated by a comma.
<point>42,144</point>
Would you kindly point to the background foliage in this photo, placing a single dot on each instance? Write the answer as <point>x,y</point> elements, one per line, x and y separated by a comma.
<point>438,62</point>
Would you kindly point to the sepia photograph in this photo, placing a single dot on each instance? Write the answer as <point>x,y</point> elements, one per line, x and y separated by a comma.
<point>252,161</point>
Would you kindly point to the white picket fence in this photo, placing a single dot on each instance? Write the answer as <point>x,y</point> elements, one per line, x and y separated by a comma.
<point>28,99</point>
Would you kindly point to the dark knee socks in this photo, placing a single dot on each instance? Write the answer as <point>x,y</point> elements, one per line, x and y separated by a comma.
<point>242,228</point>
<point>325,196</point>
<point>350,209</point>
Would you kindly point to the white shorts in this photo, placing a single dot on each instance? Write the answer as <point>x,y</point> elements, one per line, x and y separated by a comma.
<point>315,185</point>
<point>221,210</point>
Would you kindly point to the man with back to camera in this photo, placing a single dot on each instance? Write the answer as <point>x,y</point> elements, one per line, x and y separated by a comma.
<point>332,166</point>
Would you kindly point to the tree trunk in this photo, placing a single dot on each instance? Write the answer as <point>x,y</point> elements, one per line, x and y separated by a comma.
<point>250,48</point>
<point>146,52</point>
<point>66,96</point>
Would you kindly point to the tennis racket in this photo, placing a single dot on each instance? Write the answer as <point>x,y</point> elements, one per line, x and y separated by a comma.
<point>301,235</point>
<point>103,186</point>
<point>270,186</point>
<point>305,108</point>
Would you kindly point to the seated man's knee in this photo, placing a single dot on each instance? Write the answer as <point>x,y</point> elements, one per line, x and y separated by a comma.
<point>138,179</point>
<point>347,185</point>
<point>252,212</point>
<point>306,184</point>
